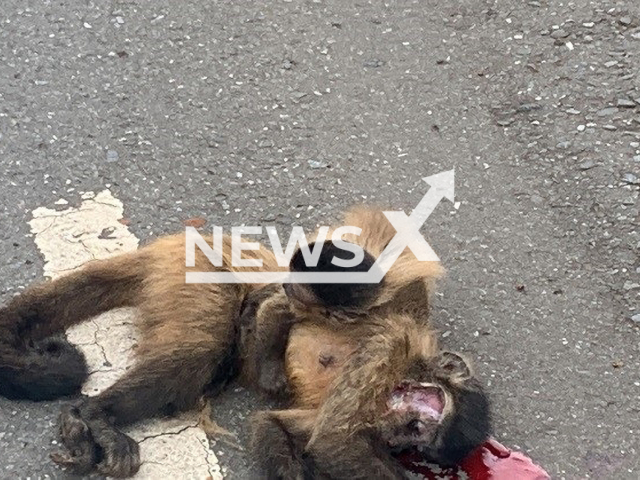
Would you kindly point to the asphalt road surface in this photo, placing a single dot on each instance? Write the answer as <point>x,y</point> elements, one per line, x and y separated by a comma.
<point>286,112</point>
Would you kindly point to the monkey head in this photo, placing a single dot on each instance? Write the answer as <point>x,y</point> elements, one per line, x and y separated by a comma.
<point>439,411</point>
<point>345,296</point>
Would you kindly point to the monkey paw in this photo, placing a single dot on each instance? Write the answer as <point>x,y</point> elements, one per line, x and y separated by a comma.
<point>98,446</point>
<point>120,454</point>
<point>82,453</point>
<point>272,377</point>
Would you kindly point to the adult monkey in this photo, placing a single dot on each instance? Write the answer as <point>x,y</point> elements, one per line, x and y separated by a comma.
<point>191,338</point>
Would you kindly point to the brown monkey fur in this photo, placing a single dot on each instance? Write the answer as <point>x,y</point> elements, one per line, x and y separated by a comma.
<point>343,366</point>
<point>194,339</point>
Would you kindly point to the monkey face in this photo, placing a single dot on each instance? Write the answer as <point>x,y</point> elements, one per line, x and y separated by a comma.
<point>440,411</point>
<point>414,412</point>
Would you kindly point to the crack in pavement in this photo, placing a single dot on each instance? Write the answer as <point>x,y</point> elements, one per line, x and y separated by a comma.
<point>167,434</point>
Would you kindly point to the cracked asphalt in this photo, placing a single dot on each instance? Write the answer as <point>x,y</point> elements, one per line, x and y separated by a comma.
<point>286,112</point>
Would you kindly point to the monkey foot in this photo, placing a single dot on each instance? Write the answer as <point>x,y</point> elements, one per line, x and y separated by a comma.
<point>95,446</point>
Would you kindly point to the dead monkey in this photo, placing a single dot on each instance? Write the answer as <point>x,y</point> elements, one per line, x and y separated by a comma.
<point>366,376</point>
<point>189,338</point>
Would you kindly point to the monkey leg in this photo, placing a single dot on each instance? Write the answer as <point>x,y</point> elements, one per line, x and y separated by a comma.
<point>52,306</point>
<point>186,346</point>
<point>265,324</point>
<point>279,439</point>
<point>159,385</point>
<point>35,364</point>
<point>280,447</point>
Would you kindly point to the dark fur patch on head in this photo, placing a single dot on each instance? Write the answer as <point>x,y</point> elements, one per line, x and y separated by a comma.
<point>469,426</point>
<point>347,295</point>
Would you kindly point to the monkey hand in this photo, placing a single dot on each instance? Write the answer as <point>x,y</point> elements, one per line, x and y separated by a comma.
<point>272,377</point>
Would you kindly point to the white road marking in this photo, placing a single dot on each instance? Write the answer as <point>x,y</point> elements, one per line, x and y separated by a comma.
<point>173,448</point>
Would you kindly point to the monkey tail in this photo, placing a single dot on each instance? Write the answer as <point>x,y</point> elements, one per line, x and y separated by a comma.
<point>36,361</point>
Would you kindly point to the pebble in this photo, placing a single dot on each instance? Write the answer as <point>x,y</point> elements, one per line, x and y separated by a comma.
<point>587,164</point>
<point>625,103</point>
<point>611,63</point>
<point>316,164</point>
<point>636,318</point>
<point>588,24</point>
<point>573,111</point>
<point>630,285</point>
<point>605,112</point>
<point>636,158</point>
<point>626,21</point>
<point>297,96</point>
<point>609,127</point>
<point>631,178</point>
<point>581,128</point>
<point>374,63</point>
<point>537,199</point>
<point>559,34</point>
<point>112,156</point>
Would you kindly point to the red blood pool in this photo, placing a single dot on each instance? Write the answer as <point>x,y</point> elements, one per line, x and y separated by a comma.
<point>490,461</point>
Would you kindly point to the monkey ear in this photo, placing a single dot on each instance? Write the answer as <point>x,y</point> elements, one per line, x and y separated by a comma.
<point>453,366</point>
<point>340,295</point>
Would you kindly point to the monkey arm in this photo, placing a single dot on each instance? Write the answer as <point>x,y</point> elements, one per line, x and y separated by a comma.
<point>266,321</point>
<point>278,442</point>
<point>344,442</point>
<point>355,458</point>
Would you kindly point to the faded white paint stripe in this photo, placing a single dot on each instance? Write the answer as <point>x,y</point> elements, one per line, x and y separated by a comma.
<point>174,448</point>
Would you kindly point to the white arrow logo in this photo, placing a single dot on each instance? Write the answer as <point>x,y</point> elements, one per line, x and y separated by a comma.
<point>408,228</point>
<point>442,185</point>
